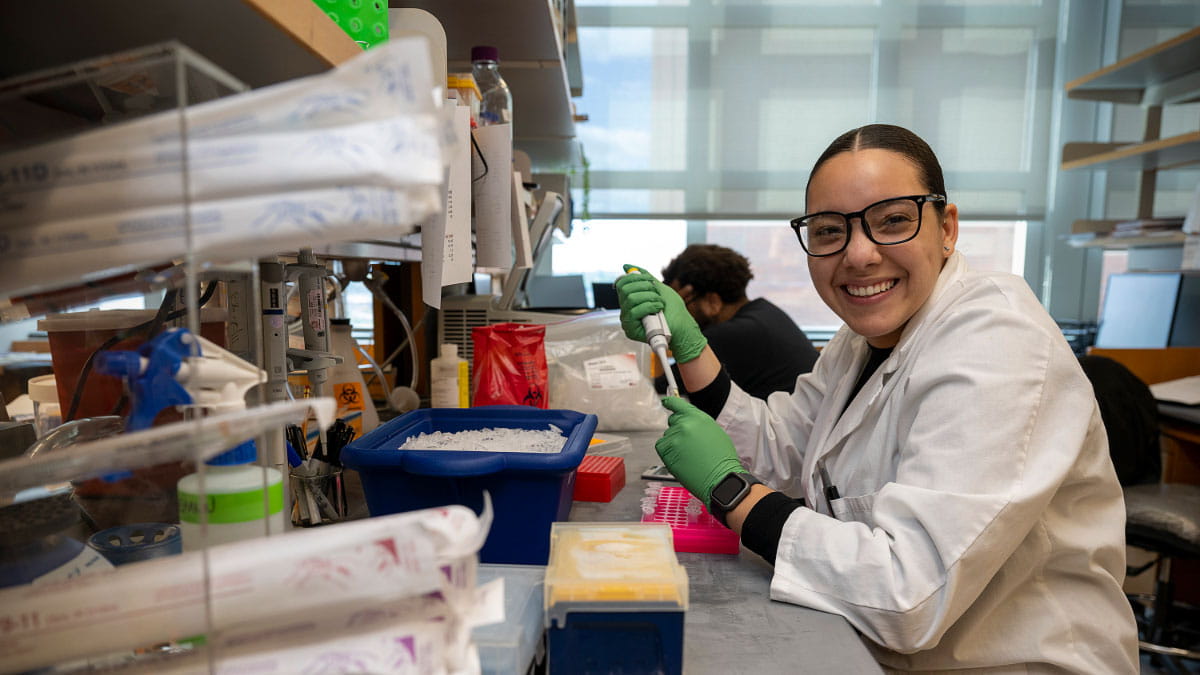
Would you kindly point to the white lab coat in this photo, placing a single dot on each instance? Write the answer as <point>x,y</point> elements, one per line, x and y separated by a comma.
<point>980,524</point>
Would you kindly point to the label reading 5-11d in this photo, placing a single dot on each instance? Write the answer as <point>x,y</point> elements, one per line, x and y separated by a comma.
<point>20,174</point>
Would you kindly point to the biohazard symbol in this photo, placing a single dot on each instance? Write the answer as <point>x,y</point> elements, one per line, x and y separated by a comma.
<point>533,398</point>
<point>349,395</point>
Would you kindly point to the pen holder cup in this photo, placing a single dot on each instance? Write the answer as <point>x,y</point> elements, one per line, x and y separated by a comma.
<point>318,499</point>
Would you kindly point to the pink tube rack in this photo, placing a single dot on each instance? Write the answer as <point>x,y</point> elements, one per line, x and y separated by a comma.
<point>694,534</point>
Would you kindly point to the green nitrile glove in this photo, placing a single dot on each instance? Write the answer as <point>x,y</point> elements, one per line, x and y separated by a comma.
<point>696,449</point>
<point>641,295</point>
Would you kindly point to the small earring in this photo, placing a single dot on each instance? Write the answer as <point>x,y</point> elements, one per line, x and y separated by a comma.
<point>946,248</point>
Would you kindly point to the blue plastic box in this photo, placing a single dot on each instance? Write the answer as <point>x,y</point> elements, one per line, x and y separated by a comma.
<point>637,641</point>
<point>529,491</point>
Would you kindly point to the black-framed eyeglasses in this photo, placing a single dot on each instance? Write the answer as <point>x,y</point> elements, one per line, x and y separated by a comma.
<point>887,223</point>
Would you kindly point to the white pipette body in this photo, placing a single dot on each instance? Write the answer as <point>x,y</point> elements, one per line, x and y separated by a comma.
<point>659,337</point>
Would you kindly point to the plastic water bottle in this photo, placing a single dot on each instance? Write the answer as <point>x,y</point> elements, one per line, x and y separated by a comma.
<point>448,379</point>
<point>495,107</point>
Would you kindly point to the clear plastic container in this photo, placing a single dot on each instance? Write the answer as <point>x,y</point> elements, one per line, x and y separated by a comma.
<point>496,105</point>
<point>512,645</point>
<point>623,563</point>
<point>43,391</point>
<point>449,382</point>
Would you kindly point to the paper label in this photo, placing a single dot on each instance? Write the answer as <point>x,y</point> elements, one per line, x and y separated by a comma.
<point>491,180</point>
<point>464,386</point>
<point>615,371</point>
<point>233,507</point>
<point>350,404</point>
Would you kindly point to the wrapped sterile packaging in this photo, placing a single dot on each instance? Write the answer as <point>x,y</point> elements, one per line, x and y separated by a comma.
<point>423,635</point>
<point>396,573</point>
<point>353,153</point>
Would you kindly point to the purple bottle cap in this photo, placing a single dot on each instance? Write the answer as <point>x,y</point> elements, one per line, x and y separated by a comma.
<point>485,53</point>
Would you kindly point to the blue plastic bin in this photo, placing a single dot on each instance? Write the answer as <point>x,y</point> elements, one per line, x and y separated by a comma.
<point>529,491</point>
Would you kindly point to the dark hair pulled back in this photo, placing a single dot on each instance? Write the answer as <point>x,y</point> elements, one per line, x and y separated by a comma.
<point>895,139</point>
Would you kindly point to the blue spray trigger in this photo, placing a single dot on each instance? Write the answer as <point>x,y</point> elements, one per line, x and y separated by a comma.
<point>152,386</point>
<point>119,363</point>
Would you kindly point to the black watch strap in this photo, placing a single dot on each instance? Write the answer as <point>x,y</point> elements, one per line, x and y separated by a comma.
<point>728,493</point>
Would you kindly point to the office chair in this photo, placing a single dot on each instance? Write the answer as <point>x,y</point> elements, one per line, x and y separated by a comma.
<point>1162,518</point>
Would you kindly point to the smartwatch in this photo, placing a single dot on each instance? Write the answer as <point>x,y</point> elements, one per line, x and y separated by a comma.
<point>730,492</point>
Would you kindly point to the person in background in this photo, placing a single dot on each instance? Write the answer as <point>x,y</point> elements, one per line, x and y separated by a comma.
<point>762,349</point>
<point>955,498</point>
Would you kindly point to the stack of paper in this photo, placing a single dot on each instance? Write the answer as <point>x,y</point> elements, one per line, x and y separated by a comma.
<point>1184,391</point>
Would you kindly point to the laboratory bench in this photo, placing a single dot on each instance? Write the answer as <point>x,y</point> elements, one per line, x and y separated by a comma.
<point>731,624</point>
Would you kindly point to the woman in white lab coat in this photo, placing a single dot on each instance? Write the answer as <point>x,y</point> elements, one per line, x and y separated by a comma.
<point>942,478</point>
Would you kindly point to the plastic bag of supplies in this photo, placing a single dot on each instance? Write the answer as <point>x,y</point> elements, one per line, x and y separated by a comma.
<point>595,369</point>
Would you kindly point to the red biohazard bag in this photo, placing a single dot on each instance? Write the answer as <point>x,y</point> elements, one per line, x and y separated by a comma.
<point>510,365</point>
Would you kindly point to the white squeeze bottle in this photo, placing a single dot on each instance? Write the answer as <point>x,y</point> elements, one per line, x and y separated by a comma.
<point>234,488</point>
<point>346,384</point>
<point>449,382</point>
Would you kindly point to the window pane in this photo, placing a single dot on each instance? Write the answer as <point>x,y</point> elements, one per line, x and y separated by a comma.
<point>635,98</point>
<point>628,201</point>
<point>780,269</point>
<point>758,201</point>
<point>977,203</point>
<point>973,123</point>
<point>780,95</point>
<point>795,3</point>
<point>597,249</point>
<point>993,246</point>
<point>631,3</point>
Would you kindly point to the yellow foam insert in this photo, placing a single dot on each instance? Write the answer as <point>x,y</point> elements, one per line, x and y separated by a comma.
<point>614,562</point>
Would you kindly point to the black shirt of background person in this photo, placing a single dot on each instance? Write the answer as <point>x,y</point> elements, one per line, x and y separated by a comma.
<point>762,349</point>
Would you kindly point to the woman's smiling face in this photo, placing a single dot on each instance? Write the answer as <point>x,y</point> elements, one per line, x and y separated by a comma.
<point>877,289</point>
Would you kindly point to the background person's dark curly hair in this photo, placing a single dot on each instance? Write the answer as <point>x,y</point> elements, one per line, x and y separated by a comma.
<point>709,268</point>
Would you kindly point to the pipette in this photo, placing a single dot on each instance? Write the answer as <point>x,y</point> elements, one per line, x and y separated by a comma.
<point>659,337</point>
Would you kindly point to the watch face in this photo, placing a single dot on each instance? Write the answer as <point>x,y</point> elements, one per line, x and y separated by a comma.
<point>728,489</point>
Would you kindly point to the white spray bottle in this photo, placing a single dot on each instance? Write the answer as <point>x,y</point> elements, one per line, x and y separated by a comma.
<point>241,499</point>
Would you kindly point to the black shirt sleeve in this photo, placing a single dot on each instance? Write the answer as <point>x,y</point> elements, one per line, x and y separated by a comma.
<point>764,525</point>
<point>712,398</point>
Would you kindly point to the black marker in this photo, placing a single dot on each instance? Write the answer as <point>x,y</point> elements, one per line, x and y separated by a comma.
<point>831,491</point>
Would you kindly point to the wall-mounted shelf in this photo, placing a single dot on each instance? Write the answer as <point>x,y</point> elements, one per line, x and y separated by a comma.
<point>1164,73</point>
<point>259,42</point>
<point>1092,240</point>
<point>1164,153</point>
<point>1167,73</point>
<point>534,60</point>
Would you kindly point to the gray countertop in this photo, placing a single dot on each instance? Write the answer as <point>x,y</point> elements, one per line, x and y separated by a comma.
<point>732,625</point>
